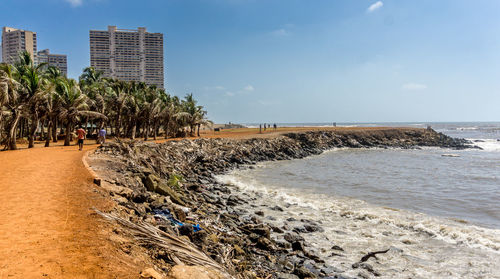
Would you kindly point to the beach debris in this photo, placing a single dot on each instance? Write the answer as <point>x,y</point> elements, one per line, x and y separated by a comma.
<point>167,216</point>
<point>372,254</point>
<point>97,181</point>
<point>191,272</point>
<point>179,250</point>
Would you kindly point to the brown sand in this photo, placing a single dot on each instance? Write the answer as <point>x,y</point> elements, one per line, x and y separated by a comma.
<point>48,228</point>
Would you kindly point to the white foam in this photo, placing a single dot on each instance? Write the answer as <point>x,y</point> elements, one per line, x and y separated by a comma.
<point>487,144</point>
<point>424,246</point>
<point>449,231</point>
<point>466,128</point>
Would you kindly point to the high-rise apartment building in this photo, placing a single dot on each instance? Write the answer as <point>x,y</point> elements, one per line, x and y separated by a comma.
<point>15,41</point>
<point>130,55</point>
<point>57,60</point>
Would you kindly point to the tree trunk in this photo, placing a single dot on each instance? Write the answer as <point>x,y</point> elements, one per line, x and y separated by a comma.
<point>199,129</point>
<point>49,132</point>
<point>87,129</point>
<point>54,130</point>
<point>32,132</point>
<point>146,131</point>
<point>134,129</point>
<point>11,143</point>
<point>118,123</point>
<point>155,130</point>
<point>67,139</point>
<point>1,127</point>
<point>166,128</point>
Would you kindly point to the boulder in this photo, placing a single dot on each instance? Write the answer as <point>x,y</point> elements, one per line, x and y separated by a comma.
<point>164,189</point>
<point>190,272</point>
<point>259,229</point>
<point>150,273</point>
<point>282,275</point>
<point>151,182</point>
<point>266,244</point>
<point>293,237</point>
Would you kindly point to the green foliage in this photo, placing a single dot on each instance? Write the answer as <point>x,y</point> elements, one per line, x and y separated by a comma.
<point>40,94</point>
<point>174,180</point>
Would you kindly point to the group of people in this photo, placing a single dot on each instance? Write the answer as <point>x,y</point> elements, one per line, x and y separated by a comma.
<point>267,126</point>
<point>81,135</point>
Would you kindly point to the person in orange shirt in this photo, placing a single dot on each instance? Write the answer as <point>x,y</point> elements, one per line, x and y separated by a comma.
<point>81,136</point>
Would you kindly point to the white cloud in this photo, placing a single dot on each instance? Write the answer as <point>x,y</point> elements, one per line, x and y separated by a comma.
<point>75,3</point>
<point>375,6</point>
<point>230,94</point>
<point>412,86</point>
<point>282,32</point>
<point>249,88</point>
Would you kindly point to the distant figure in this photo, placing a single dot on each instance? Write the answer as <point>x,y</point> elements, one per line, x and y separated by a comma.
<point>264,127</point>
<point>274,126</point>
<point>334,124</point>
<point>102,136</point>
<point>260,128</point>
<point>81,136</point>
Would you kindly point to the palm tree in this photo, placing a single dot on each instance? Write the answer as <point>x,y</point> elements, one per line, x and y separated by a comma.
<point>118,99</point>
<point>11,104</point>
<point>32,95</point>
<point>151,110</point>
<point>192,115</point>
<point>51,104</point>
<point>33,85</point>
<point>170,107</point>
<point>73,105</point>
<point>90,75</point>
<point>54,76</point>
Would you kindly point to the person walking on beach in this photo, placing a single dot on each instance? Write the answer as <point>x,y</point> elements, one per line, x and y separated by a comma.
<point>102,136</point>
<point>81,136</point>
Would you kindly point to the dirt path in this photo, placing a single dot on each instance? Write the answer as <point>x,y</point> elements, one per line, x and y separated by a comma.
<point>47,226</point>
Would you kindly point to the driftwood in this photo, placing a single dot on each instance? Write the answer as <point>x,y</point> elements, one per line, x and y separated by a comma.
<point>179,250</point>
<point>372,254</point>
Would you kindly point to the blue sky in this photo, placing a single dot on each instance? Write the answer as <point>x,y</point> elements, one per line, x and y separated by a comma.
<point>301,60</point>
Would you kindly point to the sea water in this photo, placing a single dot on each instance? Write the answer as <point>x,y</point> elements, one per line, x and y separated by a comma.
<point>437,210</point>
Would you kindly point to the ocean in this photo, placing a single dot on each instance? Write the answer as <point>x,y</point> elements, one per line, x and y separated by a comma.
<point>436,210</point>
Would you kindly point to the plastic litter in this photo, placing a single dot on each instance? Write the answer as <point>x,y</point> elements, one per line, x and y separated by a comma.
<point>167,216</point>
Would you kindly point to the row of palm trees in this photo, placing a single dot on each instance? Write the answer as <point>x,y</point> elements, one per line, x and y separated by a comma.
<point>39,100</point>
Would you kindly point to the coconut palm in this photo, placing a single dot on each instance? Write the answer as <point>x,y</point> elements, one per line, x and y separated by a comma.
<point>32,95</point>
<point>117,99</point>
<point>53,75</point>
<point>192,115</point>
<point>151,111</point>
<point>33,86</point>
<point>134,105</point>
<point>11,105</point>
<point>73,105</point>
<point>90,75</point>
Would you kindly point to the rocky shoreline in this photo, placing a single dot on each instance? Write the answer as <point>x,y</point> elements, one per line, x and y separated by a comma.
<point>149,181</point>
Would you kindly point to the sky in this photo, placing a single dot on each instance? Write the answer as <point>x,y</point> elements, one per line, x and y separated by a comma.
<point>289,61</point>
